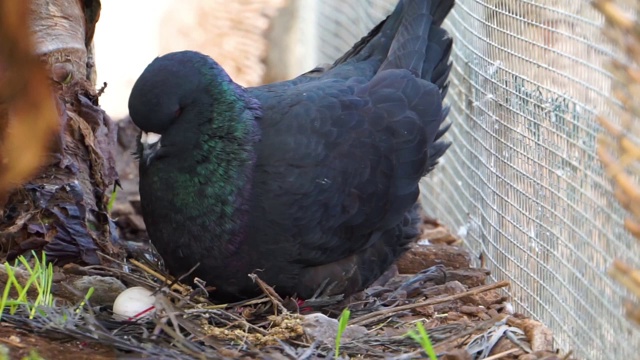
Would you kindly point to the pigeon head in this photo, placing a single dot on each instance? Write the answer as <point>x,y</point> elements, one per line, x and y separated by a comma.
<point>171,86</point>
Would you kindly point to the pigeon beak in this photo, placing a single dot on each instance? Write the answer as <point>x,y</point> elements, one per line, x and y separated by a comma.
<point>149,146</point>
<point>149,138</point>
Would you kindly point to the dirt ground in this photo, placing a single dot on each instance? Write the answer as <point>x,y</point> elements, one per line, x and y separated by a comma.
<point>20,343</point>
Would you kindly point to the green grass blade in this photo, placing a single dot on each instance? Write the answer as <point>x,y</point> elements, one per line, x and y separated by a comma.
<point>33,355</point>
<point>84,301</point>
<point>4,352</point>
<point>40,277</point>
<point>427,345</point>
<point>422,338</point>
<point>49,284</point>
<point>342,325</point>
<point>12,281</point>
<point>12,278</point>
<point>7,290</point>
<point>112,199</point>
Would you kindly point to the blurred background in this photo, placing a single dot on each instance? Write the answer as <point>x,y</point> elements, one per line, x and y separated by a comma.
<point>131,33</point>
<point>521,186</point>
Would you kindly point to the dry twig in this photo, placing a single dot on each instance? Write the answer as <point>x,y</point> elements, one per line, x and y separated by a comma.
<point>381,314</point>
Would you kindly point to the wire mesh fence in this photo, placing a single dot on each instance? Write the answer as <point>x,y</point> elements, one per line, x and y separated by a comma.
<point>522,184</point>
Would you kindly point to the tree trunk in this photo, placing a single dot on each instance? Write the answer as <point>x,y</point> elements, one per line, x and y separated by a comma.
<point>63,208</point>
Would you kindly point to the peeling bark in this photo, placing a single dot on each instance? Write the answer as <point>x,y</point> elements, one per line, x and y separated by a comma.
<point>63,210</point>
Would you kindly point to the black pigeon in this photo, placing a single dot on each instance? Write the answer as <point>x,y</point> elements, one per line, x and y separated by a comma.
<point>309,183</point>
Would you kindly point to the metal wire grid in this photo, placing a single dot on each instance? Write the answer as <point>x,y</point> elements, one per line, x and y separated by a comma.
<point>522,184</point>
<point>341,23</point>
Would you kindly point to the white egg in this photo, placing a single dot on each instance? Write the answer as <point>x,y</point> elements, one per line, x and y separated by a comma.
<point>133,304</point>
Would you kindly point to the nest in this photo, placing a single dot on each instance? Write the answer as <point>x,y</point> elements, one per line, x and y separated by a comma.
<point>433,284</point>
<point>619,147</point>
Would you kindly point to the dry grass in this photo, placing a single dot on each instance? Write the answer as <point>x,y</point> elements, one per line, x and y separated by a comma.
<point>459,315</point>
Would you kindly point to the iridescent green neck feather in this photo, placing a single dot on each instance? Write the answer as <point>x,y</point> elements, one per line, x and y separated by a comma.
<point>206,154</point>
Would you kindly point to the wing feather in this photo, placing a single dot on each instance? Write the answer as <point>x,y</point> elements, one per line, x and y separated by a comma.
<point>341,161</point>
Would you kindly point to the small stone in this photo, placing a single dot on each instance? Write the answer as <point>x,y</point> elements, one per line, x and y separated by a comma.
<point>58,277</point>
<point>15,339</point>
<point>105,289</point>
<point>319,327</point>
<point>471,310</point>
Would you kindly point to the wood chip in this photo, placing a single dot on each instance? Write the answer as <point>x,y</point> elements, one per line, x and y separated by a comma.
<point>421,257</point>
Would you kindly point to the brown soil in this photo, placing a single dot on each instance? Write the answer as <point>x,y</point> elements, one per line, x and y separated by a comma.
<point>20,343</point>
